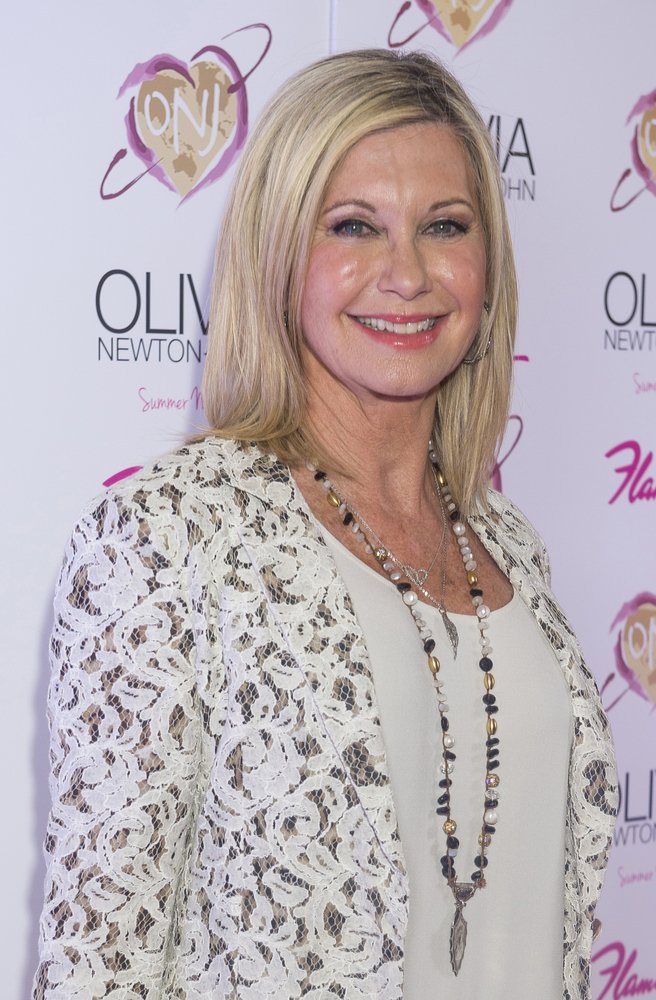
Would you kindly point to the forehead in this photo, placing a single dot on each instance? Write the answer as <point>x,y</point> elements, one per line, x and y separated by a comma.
<point>425,157</point>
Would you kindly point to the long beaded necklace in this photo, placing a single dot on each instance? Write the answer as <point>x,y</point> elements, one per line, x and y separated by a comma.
<point>462,891</point>
<point>418,577</point>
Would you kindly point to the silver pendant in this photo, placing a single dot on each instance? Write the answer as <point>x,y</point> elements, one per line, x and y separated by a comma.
<point>421,576</point>
<point>462,891</point>
<point>451,631</point>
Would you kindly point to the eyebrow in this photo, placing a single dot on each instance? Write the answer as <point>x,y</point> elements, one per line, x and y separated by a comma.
<point>359,203</point>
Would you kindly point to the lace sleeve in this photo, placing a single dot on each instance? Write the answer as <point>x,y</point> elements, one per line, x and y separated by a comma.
<point>124,757</point>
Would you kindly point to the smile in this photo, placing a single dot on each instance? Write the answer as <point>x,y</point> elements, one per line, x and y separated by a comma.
<point>384,326</point>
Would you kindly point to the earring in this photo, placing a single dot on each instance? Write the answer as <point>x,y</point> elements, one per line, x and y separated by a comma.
<point>480,354</point>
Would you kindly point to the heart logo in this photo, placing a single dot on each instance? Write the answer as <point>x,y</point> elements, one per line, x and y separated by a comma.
<point>643,152</point>
<point>638,647</point>
<point>460,22</point>
<point>187,121</point>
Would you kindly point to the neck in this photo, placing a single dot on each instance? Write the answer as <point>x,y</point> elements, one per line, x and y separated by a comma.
<point>378,447</point>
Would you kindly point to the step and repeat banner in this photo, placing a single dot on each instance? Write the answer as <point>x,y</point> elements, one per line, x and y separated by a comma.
<point>125,130</point>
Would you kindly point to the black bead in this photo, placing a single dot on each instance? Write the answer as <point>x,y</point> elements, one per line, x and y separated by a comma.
<point>454,515</point>
<point>319,475</point>
<point>443,798</point>
<point>489,829</point>
<point>348,517</point>
<point>445,783</point>
<point>476,876</point>
<point>429,645</point>
<point>492,754</point>
<point>491,709</point>
<point>489,699</point>
<point>492,742</point>
<point>445,860</point>
<point>402,587</point>
<point>480,862</point>
<point>490,804</point>
<point>443,810</point>
<point>452,842</point>
<point>491,764</point>
<point>449,754</point>
<point>444,722</point>
<point>476,592</point>
<point>485,663</point>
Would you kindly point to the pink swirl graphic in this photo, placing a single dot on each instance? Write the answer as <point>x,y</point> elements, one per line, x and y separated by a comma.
<point>460,22</point>
<point>187,121</point>
<point>643,151</point>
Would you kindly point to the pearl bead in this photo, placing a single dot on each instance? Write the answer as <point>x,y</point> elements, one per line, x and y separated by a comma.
<point>368,549</point>
<point>452,852</point>
<point>342,509</point>
<point>462,541</point>
<point>355,527</point>
<point>444,706</point>
<point>327,485</point>
<point>482,611</point>
<point>448,741</point>
<point>477,601</point>
<point>470,565</point>
<point>450,506</point>
<point>388,566</point>
<point>409,598</point>
<point>466,552</point>
<point>486,650</point>
<point>491,817</point>
<point>310,467</point>
<point>426,633</point>
<point>361,537</point>
<point>416,612</point>
<point>446,767</point>
<point>458,528</point>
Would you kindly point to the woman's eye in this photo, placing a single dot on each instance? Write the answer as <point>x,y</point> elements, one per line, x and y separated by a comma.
<point>352,227</point>
<point>447,227</point>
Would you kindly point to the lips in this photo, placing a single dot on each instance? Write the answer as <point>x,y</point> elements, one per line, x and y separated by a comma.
<point>401,331</point>
<point>396,325</point>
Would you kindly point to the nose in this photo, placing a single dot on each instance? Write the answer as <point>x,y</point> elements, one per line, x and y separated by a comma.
<point>404,270</point>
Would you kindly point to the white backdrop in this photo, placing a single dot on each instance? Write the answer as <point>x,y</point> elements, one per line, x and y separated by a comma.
<point>104,301</point>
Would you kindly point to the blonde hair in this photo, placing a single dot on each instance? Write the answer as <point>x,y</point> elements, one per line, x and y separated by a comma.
<point>254,387</point>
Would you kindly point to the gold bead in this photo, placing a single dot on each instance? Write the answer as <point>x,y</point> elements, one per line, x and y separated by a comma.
<point>472,579</point>
<point>492,779</point>
<point>440,477</point>
<point>488,680</point>
<point>491,726</point>
<point>381,555</point>
<point>450,826</point>
<point>484,839</point>
<point>333,499</point>
<point>434,664</point>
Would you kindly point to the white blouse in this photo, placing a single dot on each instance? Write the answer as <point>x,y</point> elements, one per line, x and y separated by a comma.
<point>515,924</point>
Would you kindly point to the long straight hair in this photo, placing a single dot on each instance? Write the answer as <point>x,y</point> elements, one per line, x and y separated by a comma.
<point>254,388</point>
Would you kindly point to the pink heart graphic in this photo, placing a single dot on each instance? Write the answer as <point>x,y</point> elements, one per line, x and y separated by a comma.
<point>643,150</point>
<point>460,22</point>
<point>187,121</point>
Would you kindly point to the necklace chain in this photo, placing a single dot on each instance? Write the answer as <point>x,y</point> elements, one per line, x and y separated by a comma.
<point>405,568</point>
<point>462,891</point>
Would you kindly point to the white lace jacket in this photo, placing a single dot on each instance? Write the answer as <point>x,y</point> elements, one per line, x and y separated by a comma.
<point>222,822</point>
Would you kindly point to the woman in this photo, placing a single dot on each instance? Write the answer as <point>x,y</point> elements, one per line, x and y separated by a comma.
<point>260,788</point>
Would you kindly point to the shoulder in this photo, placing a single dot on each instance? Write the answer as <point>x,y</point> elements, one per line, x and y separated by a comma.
<point>504,525</point>
<point>173,502</point>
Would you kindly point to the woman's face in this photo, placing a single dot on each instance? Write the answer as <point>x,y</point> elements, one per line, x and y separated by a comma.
<point>396,277</point>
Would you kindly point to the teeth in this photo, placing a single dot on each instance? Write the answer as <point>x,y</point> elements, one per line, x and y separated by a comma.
<point>385,327</point>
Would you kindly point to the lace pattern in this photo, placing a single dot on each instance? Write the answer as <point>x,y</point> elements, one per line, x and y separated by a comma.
<point>222,821</point>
